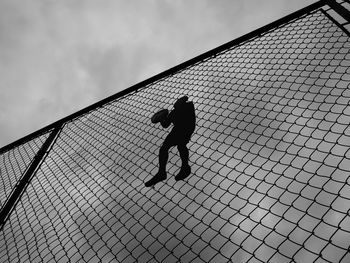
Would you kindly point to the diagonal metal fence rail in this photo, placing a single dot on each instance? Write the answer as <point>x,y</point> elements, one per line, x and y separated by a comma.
<point>270,160</point>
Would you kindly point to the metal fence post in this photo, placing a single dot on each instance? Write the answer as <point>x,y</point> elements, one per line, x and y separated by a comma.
<point>25,180</point>
<point>342,11</point>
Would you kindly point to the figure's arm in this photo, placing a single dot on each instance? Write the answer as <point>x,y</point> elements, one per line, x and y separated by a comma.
<point>167,121</point>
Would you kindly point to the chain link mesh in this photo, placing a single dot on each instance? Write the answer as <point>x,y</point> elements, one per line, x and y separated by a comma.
<point>270,164</point>
<point>13,164</point>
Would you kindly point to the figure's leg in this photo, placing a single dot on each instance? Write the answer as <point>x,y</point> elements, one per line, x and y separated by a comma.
<point>163,159</point>
<point>183,154</point>
<point>185,168</point>
<point>163,156</point>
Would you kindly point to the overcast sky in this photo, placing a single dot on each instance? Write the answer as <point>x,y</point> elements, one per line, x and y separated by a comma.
<point>57,57</point>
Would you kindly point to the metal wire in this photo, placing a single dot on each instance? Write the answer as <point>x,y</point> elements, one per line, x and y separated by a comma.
<point>14,163</point>
<point>270,164</point>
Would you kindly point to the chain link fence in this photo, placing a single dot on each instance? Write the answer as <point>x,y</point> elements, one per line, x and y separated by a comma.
<point>270,163</point>
<point>14,163</point>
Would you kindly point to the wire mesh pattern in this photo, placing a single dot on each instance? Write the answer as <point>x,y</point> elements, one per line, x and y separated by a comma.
<point>14,163</point>
<point>270,164</point>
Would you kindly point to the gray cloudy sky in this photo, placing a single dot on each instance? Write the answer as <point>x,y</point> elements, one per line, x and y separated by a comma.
<point>57,57</point>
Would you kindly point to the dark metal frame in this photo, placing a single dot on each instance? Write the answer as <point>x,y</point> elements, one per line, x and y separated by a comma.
<point>21,186</point>
<point>342,11</point>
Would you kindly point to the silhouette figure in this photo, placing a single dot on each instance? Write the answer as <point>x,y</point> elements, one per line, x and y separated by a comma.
<point>184,120</point>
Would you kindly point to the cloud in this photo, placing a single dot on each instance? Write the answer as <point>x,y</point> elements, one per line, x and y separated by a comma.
<point>60,56</point>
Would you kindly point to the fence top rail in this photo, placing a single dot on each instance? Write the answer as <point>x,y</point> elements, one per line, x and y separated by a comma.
<point>249,36</point>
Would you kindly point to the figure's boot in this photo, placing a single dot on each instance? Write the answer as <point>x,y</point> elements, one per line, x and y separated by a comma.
<point>184,173</point>
<point>160,176</point>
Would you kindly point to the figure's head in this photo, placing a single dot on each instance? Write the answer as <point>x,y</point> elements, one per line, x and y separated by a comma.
<point>180,101</point>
